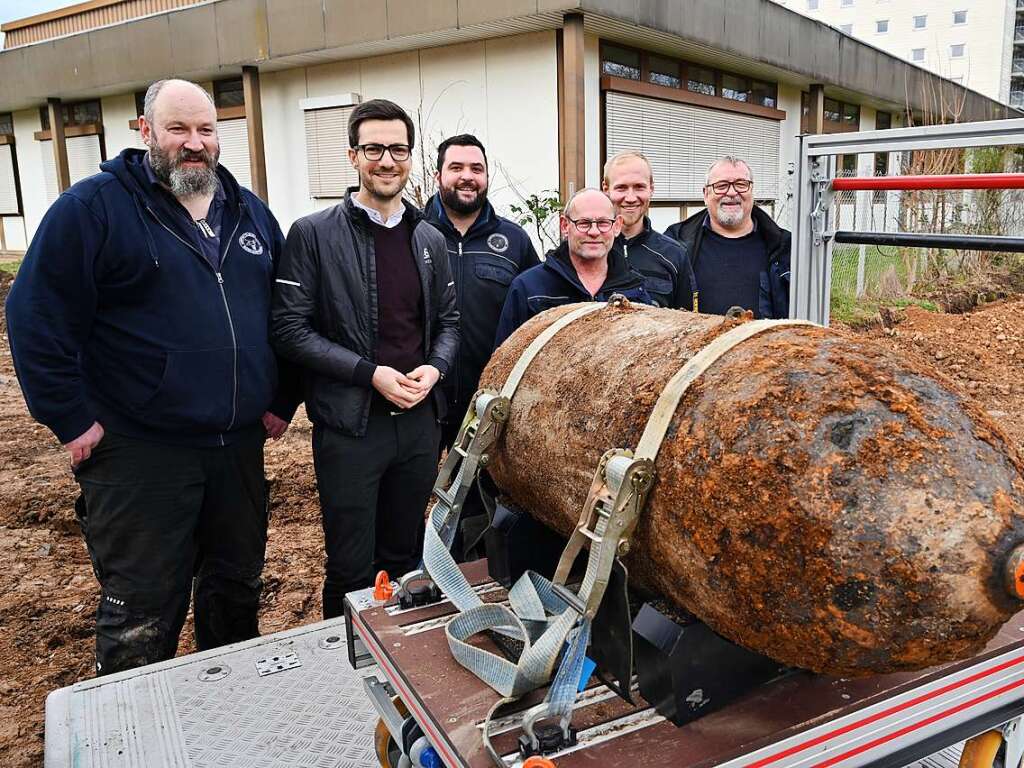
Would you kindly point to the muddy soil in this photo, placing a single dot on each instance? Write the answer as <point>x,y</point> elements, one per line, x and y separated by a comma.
<point>48,593</point>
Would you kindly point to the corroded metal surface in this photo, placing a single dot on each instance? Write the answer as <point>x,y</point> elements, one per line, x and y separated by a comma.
<point>818,499</point>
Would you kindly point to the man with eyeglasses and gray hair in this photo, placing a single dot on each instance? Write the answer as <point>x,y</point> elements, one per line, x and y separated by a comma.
<point>583,268</point>
<point>365,304</point>
<point>740,256</point>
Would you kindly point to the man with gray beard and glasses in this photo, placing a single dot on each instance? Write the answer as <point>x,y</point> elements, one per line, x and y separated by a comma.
<point>139,326</point>
<point>740,256</point>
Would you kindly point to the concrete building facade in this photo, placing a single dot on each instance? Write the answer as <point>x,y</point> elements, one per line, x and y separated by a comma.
<point>970,42</point>
<point>552,87</point>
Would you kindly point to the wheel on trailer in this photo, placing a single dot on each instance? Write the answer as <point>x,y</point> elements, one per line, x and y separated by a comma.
<point>388,752</point>
<point>986,750</point>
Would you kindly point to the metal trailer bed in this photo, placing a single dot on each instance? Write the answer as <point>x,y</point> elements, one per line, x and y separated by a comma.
<point>800,719</point>
<point>281,701</point>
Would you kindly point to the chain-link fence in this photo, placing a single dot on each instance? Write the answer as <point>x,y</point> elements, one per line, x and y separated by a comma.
<point>865,275</point>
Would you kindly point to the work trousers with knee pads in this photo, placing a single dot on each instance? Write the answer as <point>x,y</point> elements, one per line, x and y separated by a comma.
<point>165,522</point>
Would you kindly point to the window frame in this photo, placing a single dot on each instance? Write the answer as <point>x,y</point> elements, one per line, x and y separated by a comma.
<point>914,58</point>
<point>709,76</point>
<point>924,22</point>
<point>960,23</point>
<point>878,26</point>
<point>963,50</point>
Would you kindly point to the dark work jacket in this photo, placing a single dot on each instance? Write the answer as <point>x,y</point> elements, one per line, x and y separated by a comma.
<point>325,315</point>
<point>773,299</point>
<point>668,276</point>
<point>117,317</point>
<point>483,264</point>
<point>555,283</point>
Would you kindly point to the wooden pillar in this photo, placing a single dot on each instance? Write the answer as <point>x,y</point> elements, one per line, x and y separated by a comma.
<point>816,118</point>
<point>254,124</point>
<point>571,122</point>
<point>60,149</point>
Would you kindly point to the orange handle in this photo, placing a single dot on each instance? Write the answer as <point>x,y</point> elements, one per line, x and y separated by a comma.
<point>382,587</point>
<point>538,762</point>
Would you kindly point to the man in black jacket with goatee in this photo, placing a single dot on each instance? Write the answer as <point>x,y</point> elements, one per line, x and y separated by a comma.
<point>365,304</point>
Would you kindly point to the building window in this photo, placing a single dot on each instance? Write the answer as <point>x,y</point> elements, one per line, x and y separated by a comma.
<point>6,124</point>
<point>882,26</point>
<point>228,93</point>
<point>917,54</point>
<point>140,103</point>
<point>700,80</point>
<point>82,113</point>
<point>668,72</point>
<point>846,29</point>
<point>662,71</point>
<point>839,117</point>
<point>959,17</point>
<point>956,51</point>
<point>847,165</point>
<point>763,93</point>
<point>620,62</point>
<point>812,5</point>
<point>330,172</point>
<point>735,88</point>
<point>846,3</point>
<point>920,22</point>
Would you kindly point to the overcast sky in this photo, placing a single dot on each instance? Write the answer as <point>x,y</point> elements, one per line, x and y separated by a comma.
<point>19,9</point>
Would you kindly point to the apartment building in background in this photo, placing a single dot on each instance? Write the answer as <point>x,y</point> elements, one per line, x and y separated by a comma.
<point>552,87</point>
<point>975,43</point>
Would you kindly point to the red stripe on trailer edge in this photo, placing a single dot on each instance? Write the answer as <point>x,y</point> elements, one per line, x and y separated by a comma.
<point>437,740</point>
<point>927,721</point>
<point>890,711</point>
<point>935,181</point>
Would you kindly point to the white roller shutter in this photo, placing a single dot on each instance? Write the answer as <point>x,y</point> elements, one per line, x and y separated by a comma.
<point>234,149</point>
<point>330,172</point>
<point>83,161</point>
<point>682,141</point>
<point>8,190</point>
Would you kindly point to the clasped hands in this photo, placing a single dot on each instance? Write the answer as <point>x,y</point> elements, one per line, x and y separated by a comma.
<point>405,389</point>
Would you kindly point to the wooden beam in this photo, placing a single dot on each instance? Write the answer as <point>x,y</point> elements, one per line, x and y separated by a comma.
<point>60,149</point>
<point>85,129</point>
<point>254,122</point>
<point>571,107</point>
<point>816,105</point>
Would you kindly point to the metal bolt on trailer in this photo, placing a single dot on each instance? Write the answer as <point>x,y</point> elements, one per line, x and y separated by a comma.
<point>815,232</point>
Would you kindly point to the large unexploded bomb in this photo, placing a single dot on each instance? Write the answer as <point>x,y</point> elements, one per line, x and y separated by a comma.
<point>817,498</point>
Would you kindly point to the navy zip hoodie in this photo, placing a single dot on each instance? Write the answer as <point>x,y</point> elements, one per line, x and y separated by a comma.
<point>668,275</point>
<point>115,315</point>
<point>483,264</point>
<point>555,283</point>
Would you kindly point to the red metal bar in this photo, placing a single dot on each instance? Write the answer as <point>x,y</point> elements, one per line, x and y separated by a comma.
<point>952,181</point>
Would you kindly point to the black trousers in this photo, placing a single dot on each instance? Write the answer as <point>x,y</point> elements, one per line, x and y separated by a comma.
<point>162,520</point>
<point>373,495</point>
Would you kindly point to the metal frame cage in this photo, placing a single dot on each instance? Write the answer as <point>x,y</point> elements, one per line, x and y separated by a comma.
<point>815,231</point>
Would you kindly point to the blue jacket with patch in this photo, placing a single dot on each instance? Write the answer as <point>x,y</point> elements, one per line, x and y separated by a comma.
<point>115,315</point>
<point>555,283</point>
<point>668,275</point>
<point>483,264</point>
<point>773,291</point>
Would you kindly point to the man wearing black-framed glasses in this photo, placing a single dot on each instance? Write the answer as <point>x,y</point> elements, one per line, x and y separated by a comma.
<point>583,268</point>
<point>365,302</point>
<point>740,256</point>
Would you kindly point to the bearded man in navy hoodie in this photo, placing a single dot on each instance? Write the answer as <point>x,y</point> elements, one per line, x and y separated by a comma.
<point>139,326</point>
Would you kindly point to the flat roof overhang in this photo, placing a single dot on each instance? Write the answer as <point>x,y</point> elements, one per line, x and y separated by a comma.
<point>215,39</point>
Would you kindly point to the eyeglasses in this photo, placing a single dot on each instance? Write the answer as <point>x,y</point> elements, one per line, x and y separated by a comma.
<point>399,152</point>
<point>604,226</point>
<point>740,185</point>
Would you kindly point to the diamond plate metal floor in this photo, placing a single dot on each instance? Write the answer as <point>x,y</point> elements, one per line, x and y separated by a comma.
<point>216,710</point>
